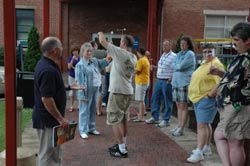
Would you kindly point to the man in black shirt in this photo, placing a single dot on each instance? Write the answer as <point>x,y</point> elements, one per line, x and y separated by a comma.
<point>50,101</point>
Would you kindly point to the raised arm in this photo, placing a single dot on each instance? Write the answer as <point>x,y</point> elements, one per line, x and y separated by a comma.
<point>102,40</point>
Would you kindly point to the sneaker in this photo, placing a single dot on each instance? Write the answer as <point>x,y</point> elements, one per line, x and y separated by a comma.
<point>138,120</point>
<point>163,124</point>
<point>117,153</point>
<point>207,151</point>
<point>173,130</point>
<point>135,117</point>
<point>178,132</point>
<point>151,121</point>
<point>104,104</point>
<point>194,151</point>
<point>116,146</point>
<point>196,157</point>
<point>95,132</point>
<point>84,136</point>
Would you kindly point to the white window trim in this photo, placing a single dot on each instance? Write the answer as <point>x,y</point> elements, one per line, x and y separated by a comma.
<point>226,12</point>
<point>25,7</point>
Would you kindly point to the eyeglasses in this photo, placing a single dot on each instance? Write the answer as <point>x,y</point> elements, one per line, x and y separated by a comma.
<point>207,52</point>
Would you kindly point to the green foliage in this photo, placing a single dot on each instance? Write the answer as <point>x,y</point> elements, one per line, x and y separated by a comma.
<point>178,42</point>
<point>26,119</point>
<point>33,53</point>
<point>1,56</point>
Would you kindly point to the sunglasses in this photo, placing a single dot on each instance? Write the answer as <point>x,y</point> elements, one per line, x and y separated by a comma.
<point>207,52</point>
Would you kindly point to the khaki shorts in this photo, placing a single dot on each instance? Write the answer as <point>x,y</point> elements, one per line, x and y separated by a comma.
<point>235,124</point>
<point>140,92</point>
<point>71,81</point>
<point>117,108</point>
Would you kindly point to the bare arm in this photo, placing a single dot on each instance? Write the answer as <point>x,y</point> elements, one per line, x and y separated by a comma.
<point>102,40</point>
<point>70,64</point>
<point>50,105</point>
<point>216,71</point>
<point>213,92</point>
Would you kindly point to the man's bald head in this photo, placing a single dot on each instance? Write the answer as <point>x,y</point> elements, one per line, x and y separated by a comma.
<point>49,44</point>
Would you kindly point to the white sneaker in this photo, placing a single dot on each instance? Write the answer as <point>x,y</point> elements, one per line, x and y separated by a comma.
<point>196,157</point>
<point>151,121</point>
<point>178,132</point>
<point>207,151</point>
<point>95,132</point>
<point>84,136</point>
<point>173,130</point>
<point>194,151</point>
<point>103,104</point>
<point>163,124</point>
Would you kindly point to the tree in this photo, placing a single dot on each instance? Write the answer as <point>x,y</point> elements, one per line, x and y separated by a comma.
<point>178,42</point>
<point>33,53</point>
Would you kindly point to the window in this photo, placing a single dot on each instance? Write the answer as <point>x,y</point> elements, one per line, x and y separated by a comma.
<point>114,38</point>
<point>24,21</point>
<point>218,23</point>
<point>220,26</point>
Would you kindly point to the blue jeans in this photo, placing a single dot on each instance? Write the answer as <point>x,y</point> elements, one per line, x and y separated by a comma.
<point>87,112</point>
<point>162,90</point>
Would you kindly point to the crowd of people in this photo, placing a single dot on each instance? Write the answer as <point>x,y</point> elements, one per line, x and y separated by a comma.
<point>104,78</point>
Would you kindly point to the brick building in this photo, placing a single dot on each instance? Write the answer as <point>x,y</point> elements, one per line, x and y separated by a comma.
<point>77,21</point>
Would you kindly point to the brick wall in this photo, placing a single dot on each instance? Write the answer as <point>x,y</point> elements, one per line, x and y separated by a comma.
<point>81,20</point>
<point>84,20</point>
<point>186,16</point>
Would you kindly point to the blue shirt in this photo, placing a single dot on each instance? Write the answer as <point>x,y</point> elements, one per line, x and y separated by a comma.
<point>48,82</point>
<point>183,66</point>
<point>84,75</point>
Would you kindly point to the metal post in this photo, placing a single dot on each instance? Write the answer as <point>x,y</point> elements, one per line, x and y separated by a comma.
<point>9,24</point>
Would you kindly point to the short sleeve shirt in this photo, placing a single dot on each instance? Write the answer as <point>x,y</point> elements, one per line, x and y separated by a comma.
<point>48,82</point>
<point>123,68</point>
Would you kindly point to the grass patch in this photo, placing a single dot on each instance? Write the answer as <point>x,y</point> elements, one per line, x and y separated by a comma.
<point>26,119</point>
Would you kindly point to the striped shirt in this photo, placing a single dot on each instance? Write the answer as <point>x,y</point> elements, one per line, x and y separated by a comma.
<point>164,70</point>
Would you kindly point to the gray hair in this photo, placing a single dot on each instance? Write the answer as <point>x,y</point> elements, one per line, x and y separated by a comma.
<point>49,43</point>
<point>84,47</point>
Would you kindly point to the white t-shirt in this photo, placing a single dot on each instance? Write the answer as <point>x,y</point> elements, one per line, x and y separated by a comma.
<point>123,68</point>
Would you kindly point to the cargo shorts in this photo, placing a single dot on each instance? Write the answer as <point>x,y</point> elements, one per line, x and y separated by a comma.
<point>117,108</point>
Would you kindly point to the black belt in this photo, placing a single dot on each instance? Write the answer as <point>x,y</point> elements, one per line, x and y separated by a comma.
<point>164,79</point>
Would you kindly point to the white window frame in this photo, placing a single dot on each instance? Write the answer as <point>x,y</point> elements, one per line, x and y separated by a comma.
<point>225,14</point>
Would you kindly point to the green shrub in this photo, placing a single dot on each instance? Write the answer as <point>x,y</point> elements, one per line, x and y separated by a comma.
<point>178,42</point>
<point>33,53</point>
<point>1,56</point>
